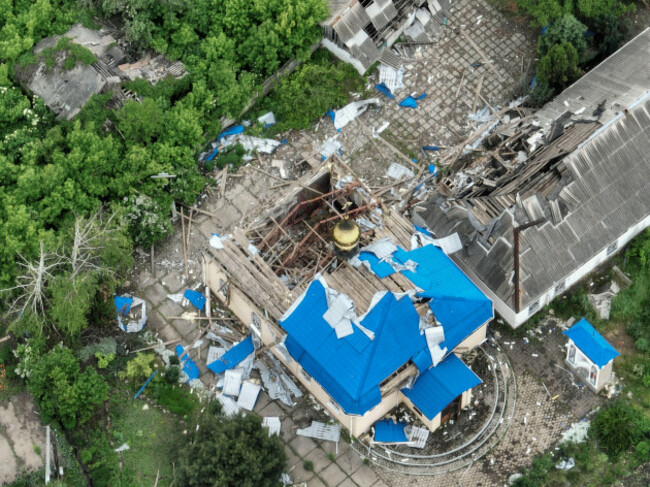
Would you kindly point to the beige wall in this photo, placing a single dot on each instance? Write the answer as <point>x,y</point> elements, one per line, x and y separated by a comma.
<point>472,341</point>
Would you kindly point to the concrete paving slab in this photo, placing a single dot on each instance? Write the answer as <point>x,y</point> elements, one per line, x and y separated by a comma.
<point>273,409</point>
<point>365,476</point>
<point>347,483</point>
<point>302,445</point>
<point>168,333</point>
<point>319,458</point>
<point>169,308</point>
<point>333,475</point>
<point>174,281</point>
<point>350,461</point>
<point>317,482</point>
<point>155,295</point>
<point>185,328</point>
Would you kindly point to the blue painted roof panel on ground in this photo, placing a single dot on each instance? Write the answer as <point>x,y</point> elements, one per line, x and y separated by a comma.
<point>188,365</point>
<point>592,343</point>
<point>409,102</point>
<point>212,154</point>
<point>350,369</point>
<point>196,298</point>
<point>234,130</point>
<point>382,269</point>
<point>123,305</point>
<point>421,97</point>
<point>233,357</point>
<point>436,388</point>
<point>387,431</point>
<point>384,89</point>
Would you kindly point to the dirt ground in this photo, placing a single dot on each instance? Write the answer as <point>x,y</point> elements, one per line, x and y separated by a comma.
<point>22,438</point>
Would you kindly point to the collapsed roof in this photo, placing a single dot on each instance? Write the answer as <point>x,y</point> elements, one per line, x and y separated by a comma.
<point>572,182</point>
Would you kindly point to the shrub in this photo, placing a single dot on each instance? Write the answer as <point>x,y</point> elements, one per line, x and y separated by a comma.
<point>619,427</point>
<point>559,66</point>
<point>173,398</point>
<point>140,367</point>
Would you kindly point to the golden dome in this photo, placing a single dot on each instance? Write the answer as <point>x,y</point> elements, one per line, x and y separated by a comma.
<point>346,235</point>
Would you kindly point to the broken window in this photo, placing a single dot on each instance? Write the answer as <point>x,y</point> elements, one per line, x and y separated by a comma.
<point>612,248</point>
<point>572,354</point>
<point>593,375</point>
<point>533,308</point>
<point>334,406</point>
<point>223,288</point>
<point>559,289</point>
<point>305,375</point>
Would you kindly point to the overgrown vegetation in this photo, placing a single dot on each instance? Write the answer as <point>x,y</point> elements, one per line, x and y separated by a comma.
<point>574,36</point>
<point>73,53</point>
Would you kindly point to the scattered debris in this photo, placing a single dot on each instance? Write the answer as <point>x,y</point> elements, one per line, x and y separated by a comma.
<point>273,424</point>
<point>352,110</point>
<point>196,298</point>
<point>131,313</point>
<point>576,433</point>
<point>248,395</point>
<point>122,447</point>
<point>566,464</point>
<point>321,431</point>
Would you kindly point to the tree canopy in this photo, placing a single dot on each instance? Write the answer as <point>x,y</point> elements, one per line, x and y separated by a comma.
<point>235,452</point>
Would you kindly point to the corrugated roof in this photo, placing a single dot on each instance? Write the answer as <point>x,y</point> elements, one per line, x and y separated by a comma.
<point>592,343</point>
<point>388,431</point>
<point>440,385</point>
<point>351,368</point>
<point>233,357</point>
<point>618,81</point>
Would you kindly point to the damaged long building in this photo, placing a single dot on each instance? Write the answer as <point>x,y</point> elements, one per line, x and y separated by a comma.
<point>557,192</point>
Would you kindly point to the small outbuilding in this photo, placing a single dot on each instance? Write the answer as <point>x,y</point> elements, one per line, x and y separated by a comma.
<point>589,355</point>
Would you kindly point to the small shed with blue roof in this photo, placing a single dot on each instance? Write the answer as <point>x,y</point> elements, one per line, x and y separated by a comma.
<point>589,355</point>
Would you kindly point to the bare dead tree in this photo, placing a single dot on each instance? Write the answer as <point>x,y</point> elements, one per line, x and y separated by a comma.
<point>31,285</point>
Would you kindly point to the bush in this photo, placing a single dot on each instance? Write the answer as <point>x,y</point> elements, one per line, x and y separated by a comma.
<point>565,29</point>
<point>232,451</point>
<point>310,91</point>
<point>172,374</point>
<point>559,66</point>
<point>619,427</point>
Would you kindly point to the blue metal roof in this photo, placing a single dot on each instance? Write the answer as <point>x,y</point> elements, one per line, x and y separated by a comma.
<point>440,385</point>
<point>196,298</point>
<point>591,343</point>
<point>458,305</point>
<point>188,365</point>
<point>351,368</point>
<point>233,357</point>
<point>123,305</point>
<point>388,431</point>
<point>381,268</point>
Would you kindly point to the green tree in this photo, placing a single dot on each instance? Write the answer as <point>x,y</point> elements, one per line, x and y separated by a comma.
<point>63,391</point>
<point>231,452</point>
<point>566,29</point>
<point>140,123</point>
<point>559,66</point>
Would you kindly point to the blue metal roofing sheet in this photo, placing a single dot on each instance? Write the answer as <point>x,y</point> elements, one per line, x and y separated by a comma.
<point>458,305</point>
<point>440,385</point>
<point>233,357</point>
<point>188,365</point>
<point>123,305</point>
<point>387,431</point>
<point>381,268</point>
<point>351,368</point>
<point>592,343</point>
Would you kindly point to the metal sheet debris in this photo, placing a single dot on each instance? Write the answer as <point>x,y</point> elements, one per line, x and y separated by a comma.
<point>122,447</point>
<point>398,171</point>
<point>566,464</point>
<point>391,78</point>
<point>131,313</point>
<point>228,405</point>
<point>273,423</point>
<point>351,111</point>
<point>330,147</point>
<point>321,431</point>
<point>417,436</point>
<point>267,119</point>
<point>232,382</point>
<point>248,395</point>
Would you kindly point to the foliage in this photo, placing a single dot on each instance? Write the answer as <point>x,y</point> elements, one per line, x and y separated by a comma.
<point>140,367</point>
<point>104,359</point>
<point>566,29</point>
<point>228,158</point>
<point>536,475</point>
<point>231,451</point>
<point>314,88</point>
<point>72,52</point>
<point>172,374</point>
<point>27,357</point>
<point>63,391</point>
<point>540,94</point>
<point>172,397</point>
<point>559,67</point>
<point>619,427</point>
<point>105,346</point>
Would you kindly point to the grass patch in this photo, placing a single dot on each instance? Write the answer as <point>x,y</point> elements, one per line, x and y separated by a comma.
<point>153,438</point>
